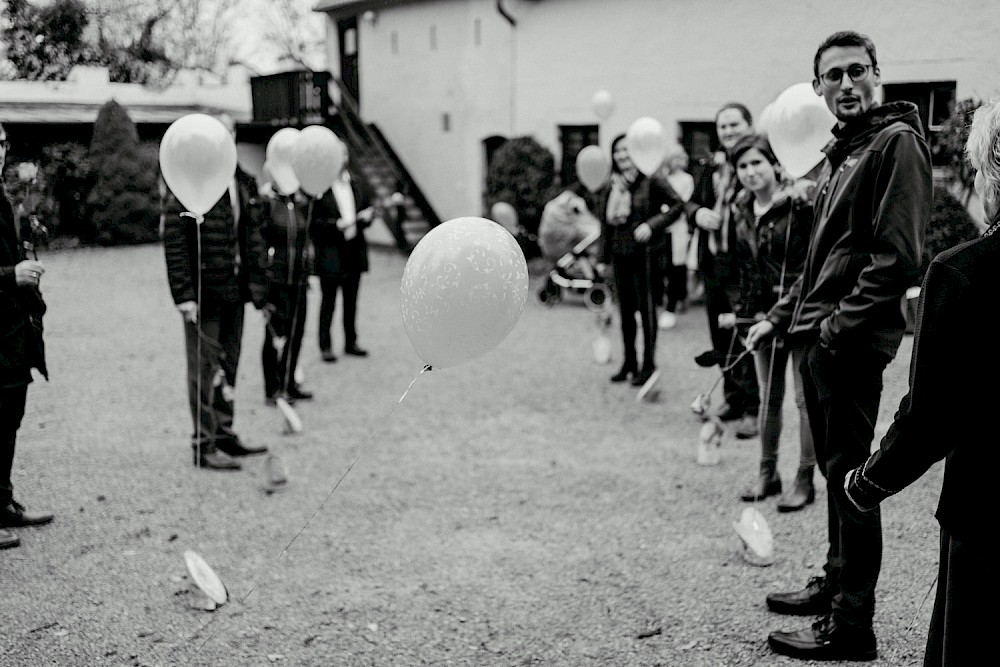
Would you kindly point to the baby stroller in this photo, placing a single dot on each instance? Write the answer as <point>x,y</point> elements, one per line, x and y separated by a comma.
<point>569,234</point>
<point>576,271</point>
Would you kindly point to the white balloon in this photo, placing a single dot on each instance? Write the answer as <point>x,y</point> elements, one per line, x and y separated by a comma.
<point>280,156</point>
<point>647,144</point>
<point>799,126</point>
<point>197,160</point>
<point>603,104</point>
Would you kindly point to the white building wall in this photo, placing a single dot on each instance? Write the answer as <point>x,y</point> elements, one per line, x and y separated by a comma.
<point>674,60</point>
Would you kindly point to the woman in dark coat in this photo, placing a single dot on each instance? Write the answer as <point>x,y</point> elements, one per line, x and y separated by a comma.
<point>948,414</point>
<point>21,349</point>
<point>338,220</point>
<point>635,210</point>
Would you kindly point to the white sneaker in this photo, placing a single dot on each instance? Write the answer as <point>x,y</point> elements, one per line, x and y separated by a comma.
<point>667,320</point>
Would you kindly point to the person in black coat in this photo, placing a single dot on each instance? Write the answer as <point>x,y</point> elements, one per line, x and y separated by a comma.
<point>21,349</point>
<point>339,218</point>
<point>944,417</point>
<point>211,299</point>
<point>288,252</point>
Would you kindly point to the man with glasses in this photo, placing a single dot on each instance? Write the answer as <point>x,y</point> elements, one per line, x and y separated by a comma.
<point>21,350</point>
<point>873,201</point>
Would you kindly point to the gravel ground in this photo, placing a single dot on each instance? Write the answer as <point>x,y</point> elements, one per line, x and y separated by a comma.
<point>515,510</point>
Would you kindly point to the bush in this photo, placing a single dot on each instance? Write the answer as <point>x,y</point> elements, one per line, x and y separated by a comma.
<point>950,224</point>
<point>950,145</point>
<point>522,174</point>
<point>121,201</point>
<point>66,168</point>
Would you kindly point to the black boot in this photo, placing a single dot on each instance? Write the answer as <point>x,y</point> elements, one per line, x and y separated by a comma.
<point>825,640</point>
<point>813,600</point>
<point>627,369</point>
<point>802,494</point>
<point>768,483</point>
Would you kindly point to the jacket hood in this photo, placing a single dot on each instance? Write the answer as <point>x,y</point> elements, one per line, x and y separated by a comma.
<point>873,121</point>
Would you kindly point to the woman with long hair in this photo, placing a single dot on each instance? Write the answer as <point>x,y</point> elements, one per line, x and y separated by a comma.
<point>635,209</point>
<point>771,238</point>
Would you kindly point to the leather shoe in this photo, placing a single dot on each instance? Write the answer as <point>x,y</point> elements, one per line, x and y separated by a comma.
<point>624,373</point>
<point>237,448</point>
<point>813,600</point>
<point>825,640</point>
<point>8,540</point>
<point>299,394</point>
<point>643,377</point>
<point>328,356</point>
<point>355,351</point>
<point>216,460</point>
<point>13,514</point>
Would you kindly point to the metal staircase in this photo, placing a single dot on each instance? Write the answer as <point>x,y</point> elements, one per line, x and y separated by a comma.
<point>302,98</point>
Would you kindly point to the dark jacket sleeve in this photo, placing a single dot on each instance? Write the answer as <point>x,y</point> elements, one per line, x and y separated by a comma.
<point>176,250</point>
<point>255,247</point>
<point>923,430</point>
<point>901,208</point>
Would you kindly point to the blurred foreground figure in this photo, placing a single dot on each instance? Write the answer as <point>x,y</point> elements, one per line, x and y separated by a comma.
<point>941,418</point>
<point>872,205</point>
<point>21,349</point>
<point>213,269</point>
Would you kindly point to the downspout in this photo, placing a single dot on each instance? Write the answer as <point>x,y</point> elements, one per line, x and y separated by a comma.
<point>513,62</point>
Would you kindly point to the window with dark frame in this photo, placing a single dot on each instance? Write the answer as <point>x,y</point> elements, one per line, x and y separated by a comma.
<point>935,101</point>
<point>573,139</point>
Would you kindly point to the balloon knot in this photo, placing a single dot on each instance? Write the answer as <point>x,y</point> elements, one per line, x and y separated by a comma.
<point>426,368</point>
<point>198,218</point>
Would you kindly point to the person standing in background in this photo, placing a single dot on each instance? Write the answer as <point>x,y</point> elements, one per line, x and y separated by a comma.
<point>214,268</point>
<point>673,260</point>
<point>339,219</point>
<point>712,235</point>
<point>21,349</point>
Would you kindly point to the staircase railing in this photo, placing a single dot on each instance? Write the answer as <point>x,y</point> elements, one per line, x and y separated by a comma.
<point>361,134</point>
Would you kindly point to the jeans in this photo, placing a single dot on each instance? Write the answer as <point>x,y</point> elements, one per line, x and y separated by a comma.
<point>633,280</point>
<point>12,401</point>
<point>221,334</point>
<point>771,361</point>
<point>350,285</point>
<point>288,321</point>
<point>843,389</point>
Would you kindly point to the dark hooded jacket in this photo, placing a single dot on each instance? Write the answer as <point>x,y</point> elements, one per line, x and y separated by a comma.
<point>873,202</point>
<point>21,310</point>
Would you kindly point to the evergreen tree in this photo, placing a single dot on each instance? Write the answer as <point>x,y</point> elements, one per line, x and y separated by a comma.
<point>120,202</point>
<point>522,174</point>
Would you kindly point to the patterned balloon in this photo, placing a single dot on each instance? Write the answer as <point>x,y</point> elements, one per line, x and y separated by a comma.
<point>463,290</point>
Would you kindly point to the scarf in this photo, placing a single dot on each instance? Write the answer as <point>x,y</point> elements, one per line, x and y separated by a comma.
<point>619,200</point>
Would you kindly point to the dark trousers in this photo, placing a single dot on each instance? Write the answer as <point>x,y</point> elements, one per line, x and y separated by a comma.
<point>739,385</point>
<point>670,286</point>
<point>12,401</point>
<point>221,334</point>
<point>288,321</point>
<point>843,390</point>
<point>633,280</point>
<point>350,285</point>
<point>961,632</point>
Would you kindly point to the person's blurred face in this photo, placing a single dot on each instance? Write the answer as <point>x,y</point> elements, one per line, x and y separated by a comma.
<point>987,197</point>
<point>852,93</point>
<point>621,158</point>
<point>755,172</point>
<point>731,126</point>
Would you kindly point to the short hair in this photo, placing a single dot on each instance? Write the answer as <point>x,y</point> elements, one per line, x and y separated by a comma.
<point>748,142</point>
<point>983,146</point>
<point>845,38</point>
<point>747,116</point>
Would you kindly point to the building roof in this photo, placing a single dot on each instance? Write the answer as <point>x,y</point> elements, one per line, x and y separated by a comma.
<point>80,97</point>
<point>352,7</point>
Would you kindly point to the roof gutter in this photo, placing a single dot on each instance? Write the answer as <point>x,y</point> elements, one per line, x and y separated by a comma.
<point>504,13</point>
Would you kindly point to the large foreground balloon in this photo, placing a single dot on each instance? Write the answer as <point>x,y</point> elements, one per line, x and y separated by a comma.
<point>593,167</point>
<point>463,290</point>
<point>647,144</point>
<point>280,154</point>
<point>318,156</point>
<point>799,125</point>
<point>603,104</point>
<point>198,161</point>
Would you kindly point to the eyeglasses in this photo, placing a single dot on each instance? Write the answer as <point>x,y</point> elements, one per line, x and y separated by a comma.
<point>834,75</point>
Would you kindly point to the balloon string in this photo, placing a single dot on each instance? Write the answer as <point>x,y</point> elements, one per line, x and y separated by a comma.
<point>319,508</point>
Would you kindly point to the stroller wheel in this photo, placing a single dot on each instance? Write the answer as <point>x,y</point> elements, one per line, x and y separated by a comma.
<point>548,295</point>
<point>597,297</point>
